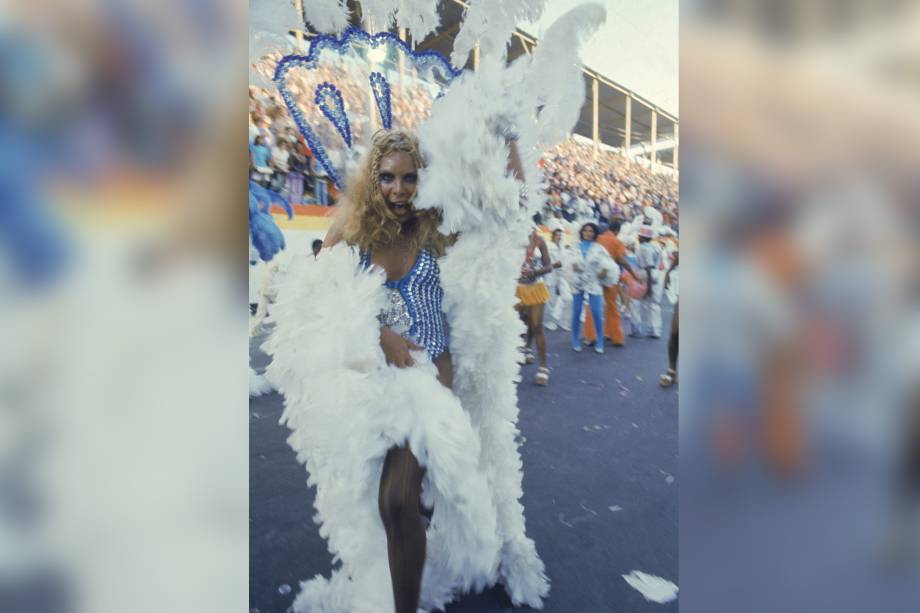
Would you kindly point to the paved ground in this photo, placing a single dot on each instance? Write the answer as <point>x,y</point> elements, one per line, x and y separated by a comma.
<point>600,485</point>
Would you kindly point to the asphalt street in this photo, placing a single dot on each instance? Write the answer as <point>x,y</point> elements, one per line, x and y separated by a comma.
<point>600,484</point>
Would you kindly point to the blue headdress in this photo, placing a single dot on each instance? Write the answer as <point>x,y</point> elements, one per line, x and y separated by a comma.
<point>344,88</point>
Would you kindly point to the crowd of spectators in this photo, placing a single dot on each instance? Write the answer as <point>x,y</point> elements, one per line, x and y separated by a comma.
<point>610,184</point>
<point>605,184</point>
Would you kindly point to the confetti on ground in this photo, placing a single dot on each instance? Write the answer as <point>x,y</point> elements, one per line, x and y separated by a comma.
<point>654,589</point>
<point>615,508</point>
<point>669,479</point>
<point>638,378</point>
<point>284,588</point>
<point>635,426</point>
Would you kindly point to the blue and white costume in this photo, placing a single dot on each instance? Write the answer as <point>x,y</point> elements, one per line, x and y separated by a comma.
<point>414,304</point>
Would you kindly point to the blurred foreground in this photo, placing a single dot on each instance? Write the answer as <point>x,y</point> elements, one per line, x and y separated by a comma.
<point>800,413</point>
<point>123,432</point>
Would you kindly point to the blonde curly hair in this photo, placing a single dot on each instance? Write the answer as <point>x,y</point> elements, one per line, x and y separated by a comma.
<point>365,220</point>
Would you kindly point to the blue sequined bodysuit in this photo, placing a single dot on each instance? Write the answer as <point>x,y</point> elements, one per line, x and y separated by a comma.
<point>414,304</point>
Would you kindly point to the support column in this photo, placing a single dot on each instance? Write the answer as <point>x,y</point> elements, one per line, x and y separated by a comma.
<point>627,138</point>
<point>595,127</point>
<point>654,156</point>
<point>298,33</point>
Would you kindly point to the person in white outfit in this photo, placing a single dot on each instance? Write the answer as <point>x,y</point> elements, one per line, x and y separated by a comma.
<point>591,265</point>
<point>645,312</point>
<point>559,308</point>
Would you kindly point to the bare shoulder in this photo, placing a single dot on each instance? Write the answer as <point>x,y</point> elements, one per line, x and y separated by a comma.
<point>333,236</point>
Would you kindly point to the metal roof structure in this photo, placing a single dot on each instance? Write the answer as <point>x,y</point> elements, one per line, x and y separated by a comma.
<point>625,120</point>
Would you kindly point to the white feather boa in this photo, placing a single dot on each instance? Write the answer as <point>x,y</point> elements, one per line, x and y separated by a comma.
<point>346,408</point>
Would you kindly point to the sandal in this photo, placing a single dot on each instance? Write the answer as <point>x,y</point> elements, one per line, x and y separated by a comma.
<point>542,377</point>
<point>668,379</point>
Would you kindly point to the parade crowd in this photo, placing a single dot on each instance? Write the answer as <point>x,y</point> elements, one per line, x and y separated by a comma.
<point>609,226</point>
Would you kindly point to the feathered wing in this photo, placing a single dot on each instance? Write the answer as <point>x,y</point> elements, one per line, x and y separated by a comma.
<point>491,24</point>
<point>467,177</point>
<point>327,16</point>
<point>258,384</point>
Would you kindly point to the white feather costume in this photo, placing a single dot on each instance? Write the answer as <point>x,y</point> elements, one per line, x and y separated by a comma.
<point>346,407</point>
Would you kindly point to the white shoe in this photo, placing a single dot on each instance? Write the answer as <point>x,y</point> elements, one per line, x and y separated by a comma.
<point>599,348</point>
<point>551,326</point>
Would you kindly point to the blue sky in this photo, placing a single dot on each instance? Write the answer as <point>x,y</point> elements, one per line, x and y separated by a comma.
<point>637,47</point>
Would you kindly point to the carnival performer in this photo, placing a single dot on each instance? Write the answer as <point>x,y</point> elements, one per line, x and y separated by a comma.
<point>591,263</point>
<point>533,296</point>
<point>558,309</point>
<point>383,415</point>
<point>405,245</point>
<point>416,454</point>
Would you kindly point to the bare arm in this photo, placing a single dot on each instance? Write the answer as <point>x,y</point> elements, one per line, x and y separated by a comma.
<point>514,160</point>
<point>625,264</point>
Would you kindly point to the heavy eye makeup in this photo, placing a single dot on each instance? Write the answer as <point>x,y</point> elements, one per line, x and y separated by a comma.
<point>388,177</point>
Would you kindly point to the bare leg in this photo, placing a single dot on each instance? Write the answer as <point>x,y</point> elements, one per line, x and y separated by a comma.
<point>526,315</point>
<point>399,504</point>
<point>535,329</point>
<point>672,342</point>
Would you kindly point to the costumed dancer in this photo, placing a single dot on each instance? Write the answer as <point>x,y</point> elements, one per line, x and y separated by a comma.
<point>379,219</point>
<point>559,307</point>
<point>385,419</point>
<point>417,455</point>
<point>533,296</point>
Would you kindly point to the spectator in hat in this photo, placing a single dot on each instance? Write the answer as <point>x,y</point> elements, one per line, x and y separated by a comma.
<point>646,311</point>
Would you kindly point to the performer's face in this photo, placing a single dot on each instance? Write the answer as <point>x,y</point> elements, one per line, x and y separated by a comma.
<point>587,233</point>
<point>397,176</point>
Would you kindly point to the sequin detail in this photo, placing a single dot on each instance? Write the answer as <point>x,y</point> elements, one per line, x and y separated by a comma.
<point>396,314</point>
<point>421,296</point>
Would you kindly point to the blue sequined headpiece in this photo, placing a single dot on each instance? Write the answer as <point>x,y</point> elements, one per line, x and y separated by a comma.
<point>327,104</point>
